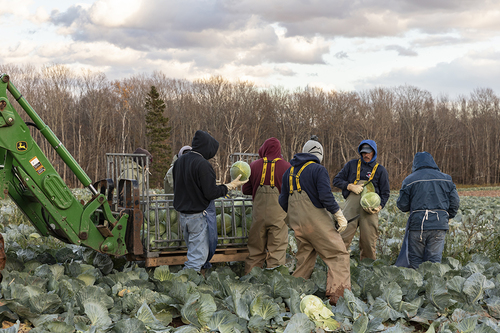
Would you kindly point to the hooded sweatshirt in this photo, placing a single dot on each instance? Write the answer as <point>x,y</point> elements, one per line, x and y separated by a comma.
<point>271,149</point>
<point>314,180</point>
<point>428,191</point>
<point>348,174</point>
<point>194,177</point>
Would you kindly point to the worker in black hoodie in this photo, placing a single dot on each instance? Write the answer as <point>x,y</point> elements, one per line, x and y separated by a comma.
<point>195,189</point>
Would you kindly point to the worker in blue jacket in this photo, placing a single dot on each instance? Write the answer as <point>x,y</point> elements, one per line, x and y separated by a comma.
<point>432,199</point>
<point>350,180</point>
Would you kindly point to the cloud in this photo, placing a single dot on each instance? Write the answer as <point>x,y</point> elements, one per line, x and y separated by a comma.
<point>441,40</point>
<point>70,16</point>
<point>401,50</point>
<point>20,9</point>
<point>285,71</point>
<point>212,38</point>
<point>193,24</point>
<point>264,40</point>
<point>458,77</point>
<point>341,55</point>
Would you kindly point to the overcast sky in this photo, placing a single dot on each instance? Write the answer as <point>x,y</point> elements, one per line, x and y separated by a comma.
<point>448,47</point>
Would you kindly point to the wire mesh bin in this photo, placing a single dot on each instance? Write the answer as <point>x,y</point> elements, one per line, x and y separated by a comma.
<point>161,232</point>
<point>129,166</point>
<point>245,157</point>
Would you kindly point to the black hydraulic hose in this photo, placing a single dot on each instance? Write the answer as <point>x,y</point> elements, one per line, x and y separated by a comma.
<point>49,227</point>
<point>29,123</point>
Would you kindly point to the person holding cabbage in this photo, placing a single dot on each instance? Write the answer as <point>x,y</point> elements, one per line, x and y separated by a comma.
<point>432,199</point>
<point>365,186</point>
<point>195,188</point>
<point>306,195</point>
<point>268,234</point>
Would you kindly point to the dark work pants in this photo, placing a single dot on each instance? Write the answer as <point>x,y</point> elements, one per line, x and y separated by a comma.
<point>426,245</point>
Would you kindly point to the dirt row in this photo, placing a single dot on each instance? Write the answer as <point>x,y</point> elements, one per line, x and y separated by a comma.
<point>483,193</point>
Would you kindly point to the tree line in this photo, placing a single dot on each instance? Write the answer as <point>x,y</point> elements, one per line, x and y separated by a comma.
<point>93,115</point>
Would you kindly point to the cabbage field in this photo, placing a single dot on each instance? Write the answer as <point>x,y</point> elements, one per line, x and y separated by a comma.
<point>49,286</point>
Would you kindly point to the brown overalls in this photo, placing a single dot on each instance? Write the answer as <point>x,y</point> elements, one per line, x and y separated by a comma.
<point>268,235</point>
<point>316,234</point>
<point>367,223</point>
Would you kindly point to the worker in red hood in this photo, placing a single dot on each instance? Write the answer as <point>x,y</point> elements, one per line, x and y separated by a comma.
<point>268,235</point>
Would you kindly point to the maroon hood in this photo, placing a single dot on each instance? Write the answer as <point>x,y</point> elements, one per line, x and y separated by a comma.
<point>270,149</point>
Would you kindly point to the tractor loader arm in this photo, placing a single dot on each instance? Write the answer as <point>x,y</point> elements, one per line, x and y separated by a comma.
<point>30,180</point>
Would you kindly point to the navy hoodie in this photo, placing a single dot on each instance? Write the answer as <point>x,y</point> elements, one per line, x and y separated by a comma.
<point>348,173</point>
<point>427,188</point>
<point>314,180</point>
<point>194,177</point>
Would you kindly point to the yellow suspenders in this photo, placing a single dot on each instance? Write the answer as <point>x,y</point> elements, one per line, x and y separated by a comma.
<point>264,168</point>
<point>359,171</point>
<point>297,177</point>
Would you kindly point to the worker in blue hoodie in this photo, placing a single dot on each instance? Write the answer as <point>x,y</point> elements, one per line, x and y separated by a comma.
<point>350,180</point>
<point>306,195</point>
<point>432,199</point>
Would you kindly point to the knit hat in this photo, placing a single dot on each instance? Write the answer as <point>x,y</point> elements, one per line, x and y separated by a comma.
<point>184,150</point>
<point>315,148</point>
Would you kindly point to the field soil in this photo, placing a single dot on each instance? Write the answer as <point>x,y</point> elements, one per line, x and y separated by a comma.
<point>480,193</point>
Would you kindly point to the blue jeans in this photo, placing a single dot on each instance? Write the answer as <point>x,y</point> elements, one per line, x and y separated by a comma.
<point>195,231</point>
<point>429,247</point>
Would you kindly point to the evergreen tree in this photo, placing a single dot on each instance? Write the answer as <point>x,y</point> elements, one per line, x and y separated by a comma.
<point>157,132</point>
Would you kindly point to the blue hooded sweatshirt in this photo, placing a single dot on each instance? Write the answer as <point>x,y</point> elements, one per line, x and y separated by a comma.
<point>428,191</point>
<point>348,173</point>
<point>314,180</point>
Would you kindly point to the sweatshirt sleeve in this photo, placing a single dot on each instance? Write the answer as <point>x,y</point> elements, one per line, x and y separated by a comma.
<point>384,187</point>
<point>247,188</point>
<point>325,191</point>
<point>209,185</point>
<point>340,180</point>
<point>283,198</point>
<point>403,201</point>
<point>454,203</point>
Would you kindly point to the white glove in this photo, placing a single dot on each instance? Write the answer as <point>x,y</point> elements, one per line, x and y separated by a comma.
<point>370,210</point>
<point>235,183</point>
<point>356,189</point>
<point>341,220</point>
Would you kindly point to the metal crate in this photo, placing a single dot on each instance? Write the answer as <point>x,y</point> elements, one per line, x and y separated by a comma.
<point>121,166</point>
<point>246,157</point>
<point>161,233</point>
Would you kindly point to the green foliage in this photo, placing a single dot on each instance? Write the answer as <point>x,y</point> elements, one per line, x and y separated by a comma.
<point>158,132</point>
<point>58,289</point>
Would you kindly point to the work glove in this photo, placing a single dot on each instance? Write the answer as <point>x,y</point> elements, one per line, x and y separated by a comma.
<point>356,189</point>
<point>370,210</point>
<point>341,221</point>
<point>235,183</point>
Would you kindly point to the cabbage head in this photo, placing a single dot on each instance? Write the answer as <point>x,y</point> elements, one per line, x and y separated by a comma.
<point>368,188</point>
<point>226,224</point>
<point>316,310</point>
<point>370,200</point>
<point>240,168</point>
